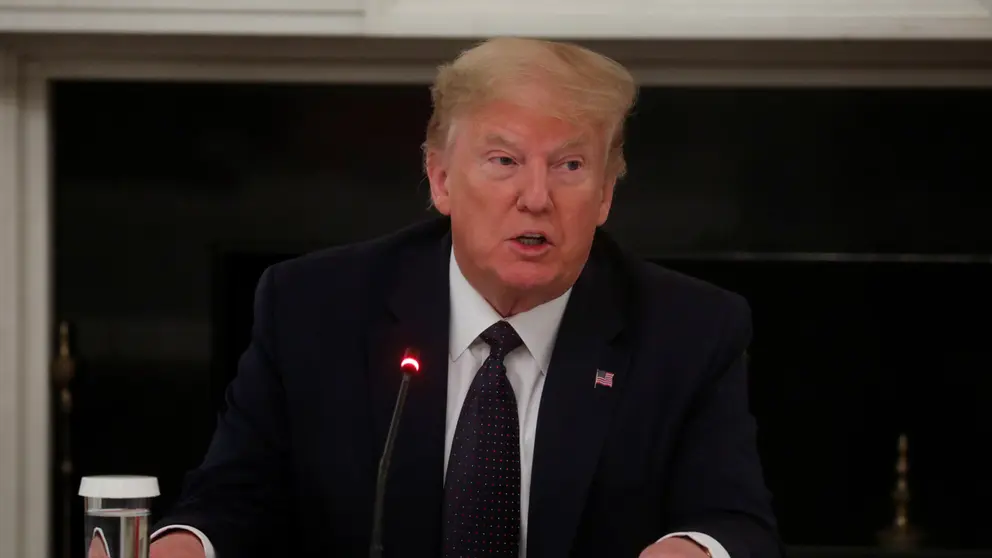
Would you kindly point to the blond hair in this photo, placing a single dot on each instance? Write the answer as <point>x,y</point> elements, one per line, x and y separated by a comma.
<point>576,84</point>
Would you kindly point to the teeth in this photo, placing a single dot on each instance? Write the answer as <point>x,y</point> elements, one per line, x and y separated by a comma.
<point>530,240</point>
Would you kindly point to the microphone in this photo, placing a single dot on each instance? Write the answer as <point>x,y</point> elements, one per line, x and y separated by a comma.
<point>409,365</point>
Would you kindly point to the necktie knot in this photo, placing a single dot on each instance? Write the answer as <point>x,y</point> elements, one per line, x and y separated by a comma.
<point>501,338</point>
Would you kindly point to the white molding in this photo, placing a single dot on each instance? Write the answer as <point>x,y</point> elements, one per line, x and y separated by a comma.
<point>615,19</point>
<point>419,73</point>
<point>196,6</point>
<point>414,61</point>
<point>598,26</point>
<point>688,8</point>
<point>220,22</point>
<point>25,306</point>
<point>11,285</point>
<point>683,19</point>
<point>37,311</point>
<point>25,302</point>
<point>241,71</point>
<point>800,77</point>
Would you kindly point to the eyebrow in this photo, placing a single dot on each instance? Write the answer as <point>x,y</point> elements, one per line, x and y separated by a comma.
<point>498,140</point>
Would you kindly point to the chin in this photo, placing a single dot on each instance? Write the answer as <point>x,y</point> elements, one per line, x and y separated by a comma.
<point>527,275</point>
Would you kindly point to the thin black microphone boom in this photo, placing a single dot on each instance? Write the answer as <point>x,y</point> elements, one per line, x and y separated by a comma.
<point>409,365</point>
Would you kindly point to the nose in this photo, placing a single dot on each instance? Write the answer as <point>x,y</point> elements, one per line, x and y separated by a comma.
<point>534,195</point>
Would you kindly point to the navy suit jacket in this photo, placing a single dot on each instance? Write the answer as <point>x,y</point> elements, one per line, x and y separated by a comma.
<point>669,447</point>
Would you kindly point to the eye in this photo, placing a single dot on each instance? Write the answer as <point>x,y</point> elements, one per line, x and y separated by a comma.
<point>502,160</point>
<point>572,165</point>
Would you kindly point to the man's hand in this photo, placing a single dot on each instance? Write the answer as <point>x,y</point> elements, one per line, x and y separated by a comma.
<point>674,547</point>
<point>177,544</point>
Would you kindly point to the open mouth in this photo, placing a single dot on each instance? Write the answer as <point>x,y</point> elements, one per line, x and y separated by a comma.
<point>531,239</point>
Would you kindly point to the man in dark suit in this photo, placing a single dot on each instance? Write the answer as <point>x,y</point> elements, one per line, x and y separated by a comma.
<point>572,401</point>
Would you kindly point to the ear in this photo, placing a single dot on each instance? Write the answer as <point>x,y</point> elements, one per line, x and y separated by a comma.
<point>437,175</point>
<point>607,202</point>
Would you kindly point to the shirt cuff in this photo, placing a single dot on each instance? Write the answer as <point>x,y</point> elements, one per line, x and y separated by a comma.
<point>709,543</point>
<point>208,549</point>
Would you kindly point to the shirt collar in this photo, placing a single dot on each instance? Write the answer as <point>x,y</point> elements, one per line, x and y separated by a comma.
<point>471,315</point>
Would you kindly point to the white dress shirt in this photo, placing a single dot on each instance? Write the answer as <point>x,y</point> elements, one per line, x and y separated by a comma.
<point>526,368</point>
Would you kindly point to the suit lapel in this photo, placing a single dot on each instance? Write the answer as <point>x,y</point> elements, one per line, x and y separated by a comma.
<point>575,412</point>
<point>417,317</point>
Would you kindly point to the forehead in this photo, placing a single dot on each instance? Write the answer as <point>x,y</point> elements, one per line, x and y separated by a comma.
<point>503,124</point>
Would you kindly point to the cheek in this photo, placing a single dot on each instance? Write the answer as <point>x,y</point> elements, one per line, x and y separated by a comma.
<point>578,206</point>
<point>475,214</point>
<point>467,200</point>
<point>578,218</point>
<point>472,187</point>
<point>487,200</point>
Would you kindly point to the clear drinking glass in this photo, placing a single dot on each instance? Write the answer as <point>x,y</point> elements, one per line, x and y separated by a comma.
<point>117,511</point>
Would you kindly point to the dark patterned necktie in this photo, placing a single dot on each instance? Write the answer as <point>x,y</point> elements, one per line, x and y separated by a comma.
<point>482,486</point>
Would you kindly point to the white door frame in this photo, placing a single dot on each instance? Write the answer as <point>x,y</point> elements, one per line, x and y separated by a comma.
<point>25,313</point>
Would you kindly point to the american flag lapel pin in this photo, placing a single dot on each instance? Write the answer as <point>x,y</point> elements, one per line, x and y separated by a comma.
<point>604,378</point>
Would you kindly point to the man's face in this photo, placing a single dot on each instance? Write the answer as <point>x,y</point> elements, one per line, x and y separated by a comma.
<point>525,192</point>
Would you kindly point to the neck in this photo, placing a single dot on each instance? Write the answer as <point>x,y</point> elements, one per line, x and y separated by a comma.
<point>506,301</point>
<point>509,304</point>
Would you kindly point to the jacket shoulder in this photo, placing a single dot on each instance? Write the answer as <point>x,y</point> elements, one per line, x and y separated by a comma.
<point>356,266</point>
<point>673,308</point>
<point>657,288</point>
<point>663,284</point>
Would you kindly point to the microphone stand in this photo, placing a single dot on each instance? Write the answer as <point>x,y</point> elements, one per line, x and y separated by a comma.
<point>410,365</point>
